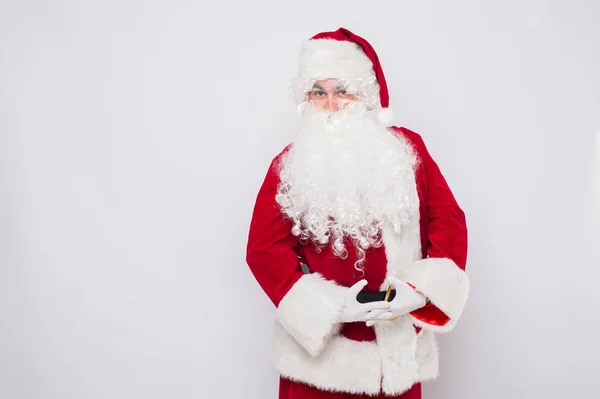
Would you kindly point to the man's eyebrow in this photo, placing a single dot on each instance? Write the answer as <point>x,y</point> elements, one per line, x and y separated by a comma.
<point>338,87</point>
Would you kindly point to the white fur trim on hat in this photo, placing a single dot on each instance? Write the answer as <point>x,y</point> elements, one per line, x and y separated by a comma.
<point>322,59</point>
<point>326,58</point>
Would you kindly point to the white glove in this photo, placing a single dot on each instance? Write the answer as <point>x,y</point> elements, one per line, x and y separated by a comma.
<point>353,310</point>
<point>406,300</point>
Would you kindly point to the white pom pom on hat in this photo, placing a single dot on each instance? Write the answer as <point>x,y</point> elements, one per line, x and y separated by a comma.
<point>385,116</point>
<point>341,53</point>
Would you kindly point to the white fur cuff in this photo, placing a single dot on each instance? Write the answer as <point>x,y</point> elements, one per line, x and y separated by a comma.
<point>310,309</point>
<point>445,284</point>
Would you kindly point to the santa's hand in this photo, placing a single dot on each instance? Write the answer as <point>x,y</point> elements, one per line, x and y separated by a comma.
<point>355,311</point>
<point>406,300</point>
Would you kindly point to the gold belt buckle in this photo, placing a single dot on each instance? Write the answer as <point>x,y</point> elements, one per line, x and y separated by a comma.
<point>387,296</point>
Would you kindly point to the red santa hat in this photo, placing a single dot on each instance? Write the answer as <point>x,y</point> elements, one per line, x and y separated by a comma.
<point>342,54</point>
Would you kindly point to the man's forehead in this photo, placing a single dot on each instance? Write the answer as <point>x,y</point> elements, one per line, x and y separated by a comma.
<point>329,84</point>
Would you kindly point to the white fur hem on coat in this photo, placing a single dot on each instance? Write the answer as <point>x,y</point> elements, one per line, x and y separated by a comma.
<point>392,364</point>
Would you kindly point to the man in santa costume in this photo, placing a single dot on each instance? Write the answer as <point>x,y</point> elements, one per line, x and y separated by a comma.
<point>355,237</point>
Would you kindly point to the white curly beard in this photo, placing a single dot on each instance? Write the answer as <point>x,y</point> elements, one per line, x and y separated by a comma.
<point>346,176</point>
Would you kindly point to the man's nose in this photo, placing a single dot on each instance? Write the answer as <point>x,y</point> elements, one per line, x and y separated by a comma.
<point>331,104</point>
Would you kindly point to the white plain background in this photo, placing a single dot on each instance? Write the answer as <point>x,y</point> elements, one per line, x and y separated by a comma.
<point>135,134</point>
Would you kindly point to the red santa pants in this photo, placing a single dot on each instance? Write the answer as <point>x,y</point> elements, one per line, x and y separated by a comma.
<point>294,390</point>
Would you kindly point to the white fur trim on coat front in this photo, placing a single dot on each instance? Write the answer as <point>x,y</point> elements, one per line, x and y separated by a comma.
<point>397,360</point>
<point>427,357</point>
<point>397,342</point>
<point>310,309</point>
<point>446,286</point>
<point>402,249</point>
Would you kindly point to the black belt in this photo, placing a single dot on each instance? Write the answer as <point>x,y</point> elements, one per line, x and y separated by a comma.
<point>363,296</point>
<point>374,296</point>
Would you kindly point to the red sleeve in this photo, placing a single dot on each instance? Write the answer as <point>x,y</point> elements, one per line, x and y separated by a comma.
<point>441,274</point>
<point>308,305</point>
<point>447,233</point>
<point>270,250</point>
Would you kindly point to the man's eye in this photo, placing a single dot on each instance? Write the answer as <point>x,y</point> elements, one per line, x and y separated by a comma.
<point>342,92</point>
<point>318,93</point>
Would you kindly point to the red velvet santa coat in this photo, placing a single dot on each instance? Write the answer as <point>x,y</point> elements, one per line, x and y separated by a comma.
<point>309,344</point>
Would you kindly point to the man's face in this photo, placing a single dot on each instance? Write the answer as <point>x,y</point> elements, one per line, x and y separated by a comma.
<point>330,95</point>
